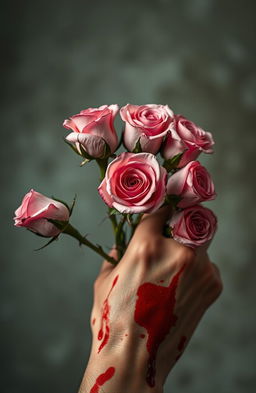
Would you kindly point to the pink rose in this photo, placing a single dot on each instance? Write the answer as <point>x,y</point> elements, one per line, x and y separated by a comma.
<point>192,183</point>
<point>185,136</point>
<point>34,211</point>
<point>93,128</point>
<point>193,226</point>
<point>134,183</point>
<point>146,123</point>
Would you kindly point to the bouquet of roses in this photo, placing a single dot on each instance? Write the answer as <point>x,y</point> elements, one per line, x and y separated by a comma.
<point>134,182</point>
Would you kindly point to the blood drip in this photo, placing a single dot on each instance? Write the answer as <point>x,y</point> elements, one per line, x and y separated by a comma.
<point>103,334</point>
<point>142,335</point>
<point>93,321</point>
<point>102,378</point>
<point>154,311</point>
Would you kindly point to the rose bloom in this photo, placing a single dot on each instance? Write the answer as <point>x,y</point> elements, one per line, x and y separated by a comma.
<point>134,183</point>
<point>34,211</point>
<point>185,136</point>
<point>193,226</point>
<point>93,128</point>
<point>192,183</point>
<point>147,123</point>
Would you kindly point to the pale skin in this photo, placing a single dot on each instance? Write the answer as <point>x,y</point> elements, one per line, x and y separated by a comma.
<point>149,258</point>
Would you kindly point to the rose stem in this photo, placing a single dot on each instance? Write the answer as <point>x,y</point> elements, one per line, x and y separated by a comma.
<point>70,230</point>
<point>103,164</point>
<point>120,237</point>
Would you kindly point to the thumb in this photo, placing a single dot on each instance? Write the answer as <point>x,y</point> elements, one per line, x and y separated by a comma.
<point>106,266</point>
<point>154,223</point>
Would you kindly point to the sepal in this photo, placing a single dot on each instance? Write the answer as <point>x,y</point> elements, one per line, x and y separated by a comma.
<point>137,148</point>
<point>173,162</point>
<point>172,200</point>
<point>70,208</point>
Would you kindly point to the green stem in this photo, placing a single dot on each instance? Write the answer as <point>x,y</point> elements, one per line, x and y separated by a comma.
<point>112,218</point>
<point>102,163</point>
<point>120,237</point>
<point>70,230</point>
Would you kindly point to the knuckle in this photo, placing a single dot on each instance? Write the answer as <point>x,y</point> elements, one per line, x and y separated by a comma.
<point>215,284</point>
<point>186,256</point>
<point>147,251</point>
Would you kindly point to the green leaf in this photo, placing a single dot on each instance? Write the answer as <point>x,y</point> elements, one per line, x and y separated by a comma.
<point>137,148</point>
<point>173,162</point>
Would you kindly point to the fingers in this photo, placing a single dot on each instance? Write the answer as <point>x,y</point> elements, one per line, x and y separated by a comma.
<point>106,266</point>
<point>154,223</point>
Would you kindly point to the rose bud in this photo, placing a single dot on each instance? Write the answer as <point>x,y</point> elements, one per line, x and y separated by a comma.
<point>147,124</point>
<point>186,137</point>
<point>192,183</point>
<point>193,226</point>
<point>93,128</point>
<point>134,183</point>
<point>34,211</point>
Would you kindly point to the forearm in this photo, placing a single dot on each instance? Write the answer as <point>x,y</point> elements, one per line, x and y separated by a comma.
<point>114,372</point>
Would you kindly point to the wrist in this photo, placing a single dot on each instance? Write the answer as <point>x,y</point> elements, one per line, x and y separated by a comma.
<point>121,369</point>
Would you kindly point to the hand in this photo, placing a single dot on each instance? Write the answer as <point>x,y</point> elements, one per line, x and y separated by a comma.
<point>146,310</point>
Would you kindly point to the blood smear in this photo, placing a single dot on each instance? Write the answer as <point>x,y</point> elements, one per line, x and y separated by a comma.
<point>104,331</point>
<point>154,311</point>
<point>102,378</point>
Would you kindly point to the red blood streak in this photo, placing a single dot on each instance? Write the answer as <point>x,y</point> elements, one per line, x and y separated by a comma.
<point>103,334</point>
<point>93,321</point>
<point>154,311</point>
<point>102,378</point>
<point>142,335</point>
<point>161,281</point>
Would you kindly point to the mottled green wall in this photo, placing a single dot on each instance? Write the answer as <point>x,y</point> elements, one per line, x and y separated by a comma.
<point>59,57</point>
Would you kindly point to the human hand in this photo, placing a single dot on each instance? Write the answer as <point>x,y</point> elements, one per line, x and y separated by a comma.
<point>146,310</point>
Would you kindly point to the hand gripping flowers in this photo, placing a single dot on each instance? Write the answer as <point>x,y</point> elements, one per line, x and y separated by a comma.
<point>134,182</point>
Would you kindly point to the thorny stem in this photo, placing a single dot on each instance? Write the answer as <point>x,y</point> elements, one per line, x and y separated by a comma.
<point>70,230</point>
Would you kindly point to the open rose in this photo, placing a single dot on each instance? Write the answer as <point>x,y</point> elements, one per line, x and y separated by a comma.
<point>34,211</point>
<point>185,136</point>
<point>192,183</point>
<point>193,226</point>
<point>93,128</point>
<point>146,123</point>
<point>134,183</point>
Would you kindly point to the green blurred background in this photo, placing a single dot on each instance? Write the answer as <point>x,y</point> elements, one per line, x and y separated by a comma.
<point>59,57</point>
